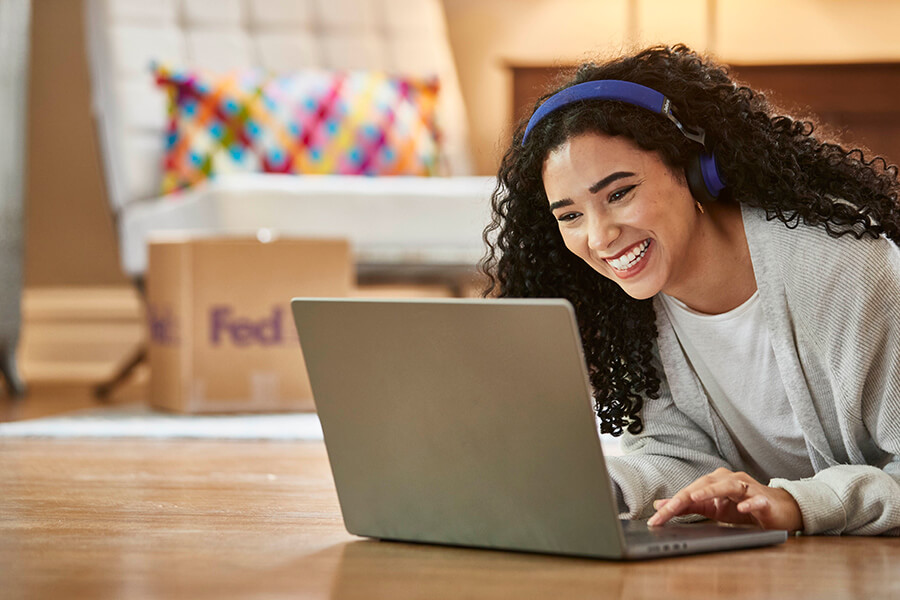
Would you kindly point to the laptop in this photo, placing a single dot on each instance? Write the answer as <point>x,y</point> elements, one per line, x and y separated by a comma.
<point>470,423</point>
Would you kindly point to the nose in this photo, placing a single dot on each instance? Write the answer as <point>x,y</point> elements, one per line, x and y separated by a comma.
<point>602,233</point>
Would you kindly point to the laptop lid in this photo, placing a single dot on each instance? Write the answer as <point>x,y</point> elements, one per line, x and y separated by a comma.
<point>464,422</point>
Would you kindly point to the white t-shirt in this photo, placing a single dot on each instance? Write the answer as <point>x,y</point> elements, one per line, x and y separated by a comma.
<point>733,357</point>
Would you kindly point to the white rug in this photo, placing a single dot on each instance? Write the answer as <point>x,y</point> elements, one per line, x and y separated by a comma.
<point>142,422</point>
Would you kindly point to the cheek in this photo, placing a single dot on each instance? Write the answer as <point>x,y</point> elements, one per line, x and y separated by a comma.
<point>646,213</point>
<point>577,245</point>
<point>574,241</point>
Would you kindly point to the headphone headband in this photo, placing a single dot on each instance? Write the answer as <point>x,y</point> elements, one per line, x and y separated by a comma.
<point>704,179</point>
<point>613,89</point>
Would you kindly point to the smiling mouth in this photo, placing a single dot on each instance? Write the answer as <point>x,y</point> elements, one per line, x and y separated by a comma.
<point>630,259</point>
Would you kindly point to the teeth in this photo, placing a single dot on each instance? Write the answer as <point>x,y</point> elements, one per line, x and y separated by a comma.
<point>630,258</point>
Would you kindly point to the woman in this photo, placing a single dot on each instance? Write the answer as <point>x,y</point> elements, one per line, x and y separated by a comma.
<point>736,282</point>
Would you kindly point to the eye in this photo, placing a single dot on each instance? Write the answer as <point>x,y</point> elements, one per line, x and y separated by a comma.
<point>569,216</point>
<point>620,193</point>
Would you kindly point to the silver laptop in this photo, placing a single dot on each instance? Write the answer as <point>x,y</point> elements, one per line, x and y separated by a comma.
<point>470,423</point>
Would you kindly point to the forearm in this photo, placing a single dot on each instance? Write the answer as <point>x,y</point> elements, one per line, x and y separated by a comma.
<point>848,499</point>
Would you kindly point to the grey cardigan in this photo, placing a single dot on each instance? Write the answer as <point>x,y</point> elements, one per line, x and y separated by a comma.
<point>832,307</point>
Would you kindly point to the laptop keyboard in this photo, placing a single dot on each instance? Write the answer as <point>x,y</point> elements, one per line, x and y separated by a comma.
<point>640,532</point>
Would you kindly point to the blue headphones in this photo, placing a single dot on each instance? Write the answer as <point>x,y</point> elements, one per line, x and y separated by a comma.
<point>702,172</point>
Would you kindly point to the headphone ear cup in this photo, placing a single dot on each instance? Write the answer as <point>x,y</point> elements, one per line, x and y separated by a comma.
<point>703,177</point>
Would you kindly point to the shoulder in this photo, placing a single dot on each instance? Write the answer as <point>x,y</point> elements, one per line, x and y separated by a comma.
<point>808,258</point>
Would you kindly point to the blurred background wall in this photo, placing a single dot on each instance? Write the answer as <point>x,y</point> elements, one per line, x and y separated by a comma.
<point>70,238</point>
<point>494,39</point>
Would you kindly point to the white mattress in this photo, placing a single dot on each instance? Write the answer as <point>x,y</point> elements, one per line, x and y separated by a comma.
<point>429,222</point>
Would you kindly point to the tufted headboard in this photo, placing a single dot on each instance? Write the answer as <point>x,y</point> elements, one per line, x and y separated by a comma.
<point>124,36</point>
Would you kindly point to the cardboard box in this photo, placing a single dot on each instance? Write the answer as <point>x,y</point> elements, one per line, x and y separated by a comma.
<point>222,337</point>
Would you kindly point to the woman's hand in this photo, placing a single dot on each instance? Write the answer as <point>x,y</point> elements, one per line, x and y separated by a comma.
<point>732,498</point>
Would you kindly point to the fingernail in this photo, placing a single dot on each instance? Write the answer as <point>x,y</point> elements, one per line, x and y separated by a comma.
<point>653,520</point>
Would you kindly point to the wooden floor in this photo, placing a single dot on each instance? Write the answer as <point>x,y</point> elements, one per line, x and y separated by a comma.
<point>204,519</point>
<point>165,519</point>
<point>199,519</point>
<point>46,399</point>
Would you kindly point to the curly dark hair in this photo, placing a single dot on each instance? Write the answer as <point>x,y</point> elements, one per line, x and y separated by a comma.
<point>769,161</point>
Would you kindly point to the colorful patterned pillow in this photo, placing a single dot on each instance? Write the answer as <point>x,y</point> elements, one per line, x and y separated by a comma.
<point>324,122</point>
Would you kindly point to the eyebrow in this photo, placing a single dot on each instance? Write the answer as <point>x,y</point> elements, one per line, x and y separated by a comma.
<point>594,188</point>
<point>560,204</point>
<point>608,180</point>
